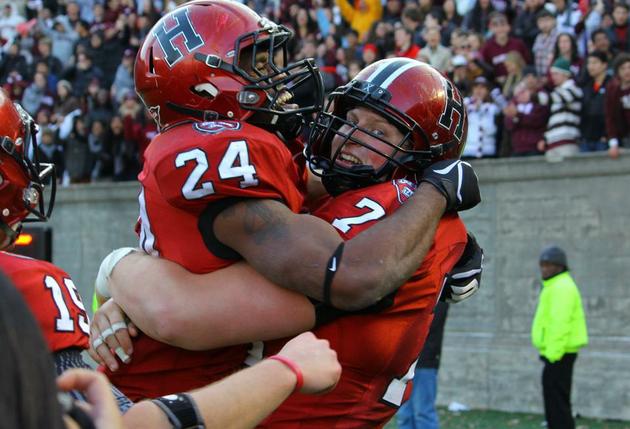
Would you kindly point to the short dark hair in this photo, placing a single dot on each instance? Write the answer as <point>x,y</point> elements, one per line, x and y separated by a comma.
<point>598,31</point>
<point>620,60</point>
<point>622,5</point>
<point>600,55</point>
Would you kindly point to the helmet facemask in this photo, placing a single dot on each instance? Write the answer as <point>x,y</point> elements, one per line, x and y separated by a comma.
<point>292,90</point>
<point>24,152</point>
<point>328,125</point>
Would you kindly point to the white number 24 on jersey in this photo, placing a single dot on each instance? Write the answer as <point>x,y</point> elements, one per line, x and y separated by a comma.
<point>235,163</point>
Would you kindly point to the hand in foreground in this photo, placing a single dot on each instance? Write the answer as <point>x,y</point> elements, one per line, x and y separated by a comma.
<point>101,406</point>
<point>457,181</point>
<point>110,333</point>
<point>318,362</point>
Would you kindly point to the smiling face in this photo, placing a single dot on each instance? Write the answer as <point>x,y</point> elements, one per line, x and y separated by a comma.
<point>352,154</point>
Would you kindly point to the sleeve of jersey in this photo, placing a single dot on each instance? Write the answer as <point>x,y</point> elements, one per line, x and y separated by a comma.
<point>256,166</point>
<point>448,246</point>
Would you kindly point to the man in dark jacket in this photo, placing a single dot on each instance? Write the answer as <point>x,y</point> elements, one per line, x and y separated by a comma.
<point>593,121</point>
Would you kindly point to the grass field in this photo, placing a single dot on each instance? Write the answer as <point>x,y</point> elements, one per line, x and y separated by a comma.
<point>499,420</point>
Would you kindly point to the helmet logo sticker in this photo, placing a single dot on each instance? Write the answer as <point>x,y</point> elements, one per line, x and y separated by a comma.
<point>192,39</point>
<point>216,127</point>
<point>451,106</point>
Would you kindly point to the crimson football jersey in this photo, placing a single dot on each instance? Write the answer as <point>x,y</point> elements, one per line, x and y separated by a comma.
<point>378,349</point>
<point>188,170</point>
<point>52,297</point>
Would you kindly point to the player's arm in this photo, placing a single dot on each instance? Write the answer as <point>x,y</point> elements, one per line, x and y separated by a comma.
<point>206,311</point>
<point>305,254</point>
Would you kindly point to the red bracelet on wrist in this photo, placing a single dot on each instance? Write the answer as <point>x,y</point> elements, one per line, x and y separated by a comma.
<point>293,367</point>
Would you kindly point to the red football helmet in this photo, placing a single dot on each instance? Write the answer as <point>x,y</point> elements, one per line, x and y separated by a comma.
<point>424,105</point>
<point>217,59</point>
<point>21,179</point>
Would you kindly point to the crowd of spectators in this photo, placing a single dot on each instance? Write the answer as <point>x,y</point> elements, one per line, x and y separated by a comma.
<point>537,76</point>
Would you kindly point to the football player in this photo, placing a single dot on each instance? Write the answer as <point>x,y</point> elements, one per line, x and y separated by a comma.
<point>372,135</point>
<point>220,184</point>
<point>48,290</point>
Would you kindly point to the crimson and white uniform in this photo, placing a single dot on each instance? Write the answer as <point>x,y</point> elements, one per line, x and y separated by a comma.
<point>188,170</point>
<point>377,350</point>
<point>52,297</point>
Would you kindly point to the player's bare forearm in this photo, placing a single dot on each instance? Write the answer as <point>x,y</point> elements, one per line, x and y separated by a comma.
<point>388,253</point>
<point>293,250</point>
<point>191,311</point>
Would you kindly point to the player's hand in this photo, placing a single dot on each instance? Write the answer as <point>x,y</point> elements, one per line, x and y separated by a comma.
<point>318,362</point>
<point>465,278</point>
<point>457,181</point>
<point>101,406</point>
<point>110,335</point>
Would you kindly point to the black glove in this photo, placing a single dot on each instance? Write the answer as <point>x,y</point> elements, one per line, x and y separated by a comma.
<point>465,277</point>
<point>457,181</point>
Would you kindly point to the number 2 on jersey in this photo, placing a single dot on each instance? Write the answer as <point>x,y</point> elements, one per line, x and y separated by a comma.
<point>376,212</point>
<point>65,323</point>
<point>235,163</point>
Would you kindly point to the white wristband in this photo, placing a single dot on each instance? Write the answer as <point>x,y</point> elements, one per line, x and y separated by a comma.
<point>106,268</point>
<point>613,143</point>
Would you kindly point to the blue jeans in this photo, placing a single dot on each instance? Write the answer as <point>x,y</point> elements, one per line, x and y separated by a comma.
<point>593,146</point>
<point>419,411</point>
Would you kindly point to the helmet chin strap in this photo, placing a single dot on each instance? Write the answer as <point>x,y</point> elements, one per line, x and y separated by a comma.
<point>288,126</point>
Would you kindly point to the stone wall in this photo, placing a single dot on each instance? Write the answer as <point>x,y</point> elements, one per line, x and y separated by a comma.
<point>580,204</point>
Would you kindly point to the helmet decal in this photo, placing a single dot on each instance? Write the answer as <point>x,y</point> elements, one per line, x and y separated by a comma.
<point>452,105</point>
<point>192,39</point>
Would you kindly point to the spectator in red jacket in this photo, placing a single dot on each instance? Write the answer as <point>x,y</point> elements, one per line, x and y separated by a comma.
<point>526,121</point>
<point>496,48</point>
<point>618,106</point>
<point>404,44</point>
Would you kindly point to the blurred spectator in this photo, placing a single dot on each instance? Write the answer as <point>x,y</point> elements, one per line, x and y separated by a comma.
<point>49,150</point>
<point>62,37</point>
<point>36,95</point>
<point>452,20</point>
<point>545,42</point>
<point>514,65</point>
<point>9,20</point>
<point>404,44</point>
<point>439,56</point>
<point>618,106</point>
<point>619,34</point>
<point>382,37</point>
<point>482,121</point>
<point>78,160</point>
<point>304,26</point>
<point>123,80</point>
<point>369,54</point>
<point>567,15</point>
<point>495,49</point>
<point>124,150</point>
<point>478,18</point>
<point>361,14</point>
<point>66,100</point>
<point>100,150</point>
<point>82,73</point>
<point>601,42</point>
<point>44,48</point>
<point>13,62</point>
<point>99,105</point>
<point>412,21</point>
<point>565,104</point>
<point>460,76</point>
<point>593,123</point>
<point>526,121</point>
<point>525,26</point>
<point>393,12</point>
<point>566,48</point>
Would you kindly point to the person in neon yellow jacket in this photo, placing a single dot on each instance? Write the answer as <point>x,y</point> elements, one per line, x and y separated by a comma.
<point>558,332</point>
<point>360,14</point>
